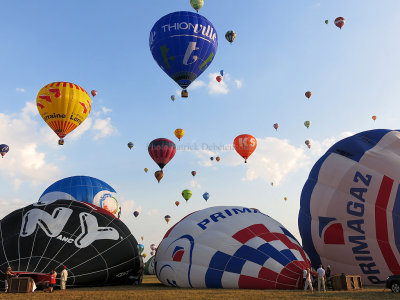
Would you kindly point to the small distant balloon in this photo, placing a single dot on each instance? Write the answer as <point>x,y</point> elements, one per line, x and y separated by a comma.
<point>217,158</point>
<point>206,196</point>
<point>159,175</point>
<point>308,94</point>
<point>179,133</point>
<point>144,255</point>
<point>167,218</point>
<point>130,145</point>
<point>285,198</point>
<point>339,22</point>
<point>197,4</point>
<point>374,118</point>
<point>245,144</point>
<point>212,158</point>
<point>136,213</point>
<point>230,36</point>
<point>152,253</point>
<point>142,237</point>
<point>93,92</point>
<point>141,248</point>
<point>272,184</point>
<point>186,194</point>
<point>153,246</point>
<point>219,78</point>
<point>177,203</point>
<point>276,126</point>
<point>221,72</point>
<point>307,124</point>
<point>326,21</point>
<point>4,149</point>
<point>173,97</point>
<point>307,142</point>
<point>193,173</point>
<point>146,170</point>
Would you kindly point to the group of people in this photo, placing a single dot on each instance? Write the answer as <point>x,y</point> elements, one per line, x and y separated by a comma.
<point>51,282</point>
<point>323,278</point>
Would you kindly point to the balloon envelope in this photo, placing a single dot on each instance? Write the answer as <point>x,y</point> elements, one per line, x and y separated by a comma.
<point>219,78</point>
<point>186,194</point>
<point>136,213</point>
<point>307,124</point>
<point>130,145</point>
<point>162,151</point>
<point>193,173</point>
<point>96,247</point>
<point>276,126</point>
<point>245,144</point>
<point>197,4</point>
<point>149,267</point>
<point>179,133</point>
<point>339,22</point>
<point>206,196</point>
<point>86,189</point>
<point>177,203</point>
<point>349,214</point>
<point>183,44</point>
<point>217,158</point>
<point>93,92</point>
<point>173,97</point>
<point>167,218</point>
<point>308,94</point>
<point>230,247</point>
<point>4,149</point>
<point>230,36</point>
<point>159,175</point>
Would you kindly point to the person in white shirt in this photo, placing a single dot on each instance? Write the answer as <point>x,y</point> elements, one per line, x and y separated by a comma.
<point>63,278</point>
<point>304,277</point>
<point>321,278</point>
<point>308,281</point>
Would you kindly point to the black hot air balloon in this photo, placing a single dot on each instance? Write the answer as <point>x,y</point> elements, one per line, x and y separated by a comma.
<point>96,247</point>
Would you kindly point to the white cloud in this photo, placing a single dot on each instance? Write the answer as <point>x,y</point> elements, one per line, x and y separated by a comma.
<point>20,90</point>
<point>104,128</point>
<point>81,129</point>
<point>197,84</point>
<point>106,110</point>
<point>24,161</point>
<point>153,212</point>
<point>239,83</point>
<point>215,87</point>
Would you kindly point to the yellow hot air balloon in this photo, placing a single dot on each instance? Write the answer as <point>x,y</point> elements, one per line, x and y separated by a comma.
<point>63,106</point>
<point>179,133</point>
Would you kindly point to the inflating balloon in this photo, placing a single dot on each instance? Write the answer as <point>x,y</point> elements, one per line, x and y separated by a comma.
<point>307,124</point>
<point>230,247</point>
<point>193,173</point>
<point>230,36</point>
<point>159,175</point>
<point>276,126</point>
<point>177,203</point>
<point>308,94</point>
<point>179,133</point>
<point>86,189</point>
<point>217,158</point>
<point>162,151</point>
<point>4,150</point>
<point>146,170</point>
<point>93,92</point>
<point>149,267</point>
<point>136,213</point>
<point>173,97</point>
<point>245,144</point>
<point>339,22</point>
<point>183,44</point>
<point>94,245</point>
<point>374,118</point>
<point>130,145</point>
<point>63,106</point>
<point>219,78</point>
<point>197,4</point>
<point>167,218</point>
<point>186,194</point>
<point>349,214</point>
<point>206,196</point>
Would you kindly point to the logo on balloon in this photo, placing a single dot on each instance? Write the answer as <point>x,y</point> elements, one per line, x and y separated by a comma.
<point>332,232</point>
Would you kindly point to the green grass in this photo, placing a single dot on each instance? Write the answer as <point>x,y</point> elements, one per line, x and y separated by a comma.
<point>153,289</point>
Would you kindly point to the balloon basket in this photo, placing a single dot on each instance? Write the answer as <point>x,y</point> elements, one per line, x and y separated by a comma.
<point>184,94</point>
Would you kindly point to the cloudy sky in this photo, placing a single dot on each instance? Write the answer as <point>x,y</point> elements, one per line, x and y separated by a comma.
<point>283,48</point>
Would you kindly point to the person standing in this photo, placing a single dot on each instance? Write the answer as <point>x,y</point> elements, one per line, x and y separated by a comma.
<point>9,275</point>
<point>304,278</point>
<point>53,275</point>
<point>63,278</point>
<point>321,278</point>
<point>328,276</point>
<point>308,281</point>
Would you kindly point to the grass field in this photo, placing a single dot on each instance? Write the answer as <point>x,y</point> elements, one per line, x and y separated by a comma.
<point>153,289</point>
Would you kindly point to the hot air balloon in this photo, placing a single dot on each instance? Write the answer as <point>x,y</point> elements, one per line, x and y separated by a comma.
<point>285,198</point>
<point>212,158</point>
<point>167,218</point>
<point>193,173</point>
<point>272,184</point>
<point>177,203</point>
<point>349,207</point>
<point>186,194</point>
<point>93,92</point>
<point>206,196</point>
<point>230,36</point>
<point>308,94</point>
<point>326,21</point>
<point>4,149</point>
<point>144,255</point>
<point>146,170</point>
<point>221,72</point>
<point>183,44</point>
<point>141,248</point>
<point>152,253</point>
<point>197,4</point>
<point>339,22</point>
<point>307,124</point>
<point>217,158</point>
<point>136,213</point>
<point>63,106</point>
<point>374,118</point>
<point>96,246</point>
<point>159,175</point>
<point>149,267</point>
<point>179,133</point>
<point>230,247</point>
<point>219,78</point>
<point>153,247</point>
<point>245,144</point>
<point>142,237</point>
<point>162,151</point>
<point>85,189</point>
<point>130,145</point>
<point>173,97</point>
<point>276,126</point>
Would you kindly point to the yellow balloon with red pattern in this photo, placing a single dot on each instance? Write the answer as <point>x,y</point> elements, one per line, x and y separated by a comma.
<point>63,106</point>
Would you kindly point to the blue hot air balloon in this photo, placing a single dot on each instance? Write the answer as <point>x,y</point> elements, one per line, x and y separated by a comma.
<point>183,44</point>
<point>85,189</point>
<point>206,196</point>
<point>3,149</point>
<point>221,72</point>
<point>141,248</point>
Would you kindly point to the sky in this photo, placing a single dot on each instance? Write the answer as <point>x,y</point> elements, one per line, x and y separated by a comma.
<point>282,50</point>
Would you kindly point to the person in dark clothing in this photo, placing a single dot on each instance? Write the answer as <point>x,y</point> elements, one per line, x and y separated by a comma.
<point>328,277</point>
<point>9,275</point>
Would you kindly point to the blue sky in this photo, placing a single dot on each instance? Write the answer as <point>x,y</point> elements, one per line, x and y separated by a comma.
<point>283,49</point>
